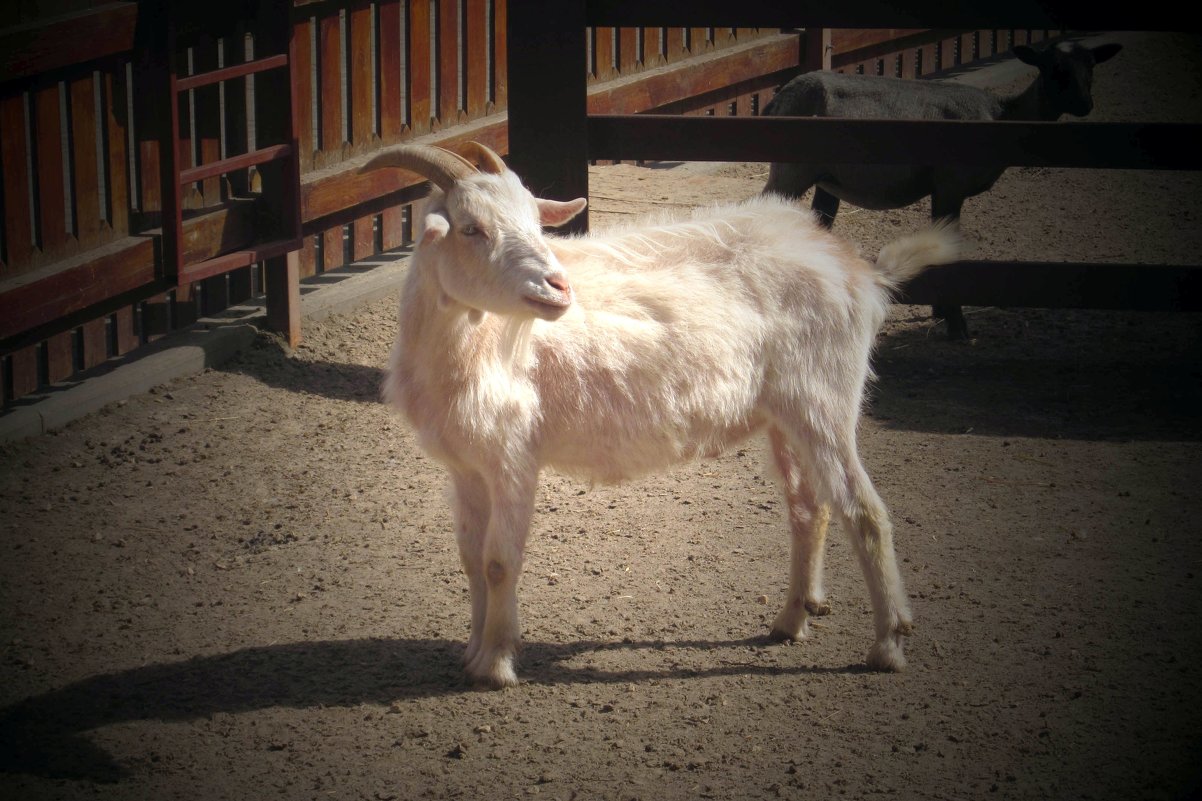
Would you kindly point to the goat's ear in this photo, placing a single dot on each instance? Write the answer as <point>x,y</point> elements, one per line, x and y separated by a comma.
<point>435,228</point>
<point>558,212</point>
<point>1028,55</point>
<point>1105,52</point>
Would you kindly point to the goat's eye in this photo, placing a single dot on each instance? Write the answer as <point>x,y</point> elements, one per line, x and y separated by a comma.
<point>469,230</point>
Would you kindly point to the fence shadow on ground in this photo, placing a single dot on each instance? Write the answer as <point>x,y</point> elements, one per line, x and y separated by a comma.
<point>1097,376</point>
<point>46,735</point>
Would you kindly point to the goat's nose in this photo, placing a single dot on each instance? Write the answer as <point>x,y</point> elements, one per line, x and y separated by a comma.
<point>558,281</point>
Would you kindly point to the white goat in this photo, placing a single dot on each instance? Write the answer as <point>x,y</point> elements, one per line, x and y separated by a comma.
<point>611,356</point>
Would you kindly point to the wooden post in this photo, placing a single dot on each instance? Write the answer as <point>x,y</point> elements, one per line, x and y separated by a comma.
<point>282,279</point>
<point>817,55</point>
<point>548,141</point>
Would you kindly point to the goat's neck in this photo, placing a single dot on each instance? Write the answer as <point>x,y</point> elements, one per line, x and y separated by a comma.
<point>454,339</point>
<point>1031,103</point>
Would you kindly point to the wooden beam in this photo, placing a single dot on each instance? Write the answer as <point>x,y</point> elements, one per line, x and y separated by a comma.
<point>1021,14</point>
<point>944,142</point>
<point>62,41</point>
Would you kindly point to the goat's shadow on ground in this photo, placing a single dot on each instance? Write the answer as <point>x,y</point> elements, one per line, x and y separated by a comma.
<point>269,361</point>
<point>45,735</point>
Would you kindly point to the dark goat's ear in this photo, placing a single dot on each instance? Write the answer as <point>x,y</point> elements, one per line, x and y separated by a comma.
<point>1105,52</point>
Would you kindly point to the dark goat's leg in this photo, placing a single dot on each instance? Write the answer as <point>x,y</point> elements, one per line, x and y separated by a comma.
<point>827,206</point>
<point>957,326</point>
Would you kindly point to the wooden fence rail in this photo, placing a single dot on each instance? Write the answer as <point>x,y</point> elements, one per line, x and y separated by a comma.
<point>82,271</point>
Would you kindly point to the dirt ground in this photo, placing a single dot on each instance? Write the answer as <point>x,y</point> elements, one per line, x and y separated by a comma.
<point>243,584</point>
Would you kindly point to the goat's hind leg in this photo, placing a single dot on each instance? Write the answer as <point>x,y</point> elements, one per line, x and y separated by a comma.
<point>841,478</point>
<point>867,523</point>
<point>807,537</point>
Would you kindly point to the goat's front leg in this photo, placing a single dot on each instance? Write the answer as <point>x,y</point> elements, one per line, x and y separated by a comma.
<point>807,528</point>
<point>470,506</point>
<point>492,664</point>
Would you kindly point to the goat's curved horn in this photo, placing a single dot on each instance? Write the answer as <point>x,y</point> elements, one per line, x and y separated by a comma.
<point>442,167</point>
<point>488,160</point>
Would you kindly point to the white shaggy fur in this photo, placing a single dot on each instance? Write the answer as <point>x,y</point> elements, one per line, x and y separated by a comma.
<point>618,354</point>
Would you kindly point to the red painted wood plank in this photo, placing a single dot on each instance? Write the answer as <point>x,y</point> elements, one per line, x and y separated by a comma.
<point>630,57</point>
<point>448,62</point>
<point>60,363</point>
<point>120,268</point>
<point>302,79</point>
<point>389,44</point>
<point>360,75</point>
<point>14,152</point>
<point>50,44</point>
<point>308,257</point>
<point>500,89</point>
<point>476,49</point>
<point>393,224</point>
<point>95,343</point>
<point>330,81</point>
<point>24,371</point>
<point>115,116</point>
<point>48,133</point>
<point>212,75</point>
<point>125,331</point>
<point>421,49</point>
<point>333,248</point>
<point>363,238</point>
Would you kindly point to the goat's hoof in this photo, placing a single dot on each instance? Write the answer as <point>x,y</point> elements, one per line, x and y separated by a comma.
<point>780,634</point>
<point>886,657</point>
<point>496,675</point>
<point>818,608</point>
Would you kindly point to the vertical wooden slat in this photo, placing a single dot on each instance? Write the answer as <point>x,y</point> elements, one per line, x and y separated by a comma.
<point>307,259</point>
<point>333,248</point>
<point>908,65</point>
<point>629,58</point>
<point>699,40</point>
<point>24,371</point>
<point>330,80</point>
<point>500,65</point>
<point>927,52</point>
<point>48,134</point>
<point>184,311</point>
<point>95,343</point>
<point>674,47</point>
<point>281,274</point>
<point>476,50</point>
<point>360,74</point>
<point>86,185</point>
<point>302,78</point>
<point>603,56</point>
<point>14,152</point>
<point>363,238</point>
<point>420,50</point>
<point>448,62</point>
<point>125,335</point>
<point>389,44</point>
<point>114,109</point>
<point>393,233</point>
<point>984,44</point>
<point>60,363</point>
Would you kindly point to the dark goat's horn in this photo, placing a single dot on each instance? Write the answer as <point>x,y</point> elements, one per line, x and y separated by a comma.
<point>442,167</point>
<point>484,156</point>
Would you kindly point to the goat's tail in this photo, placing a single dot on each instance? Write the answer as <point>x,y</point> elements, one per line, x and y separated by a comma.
<point>902,259</point>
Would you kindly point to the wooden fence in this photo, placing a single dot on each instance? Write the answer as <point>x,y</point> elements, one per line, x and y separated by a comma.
<point>82,273</point>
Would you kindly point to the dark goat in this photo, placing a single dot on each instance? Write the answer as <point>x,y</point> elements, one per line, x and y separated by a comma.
<point>1063,86</point>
